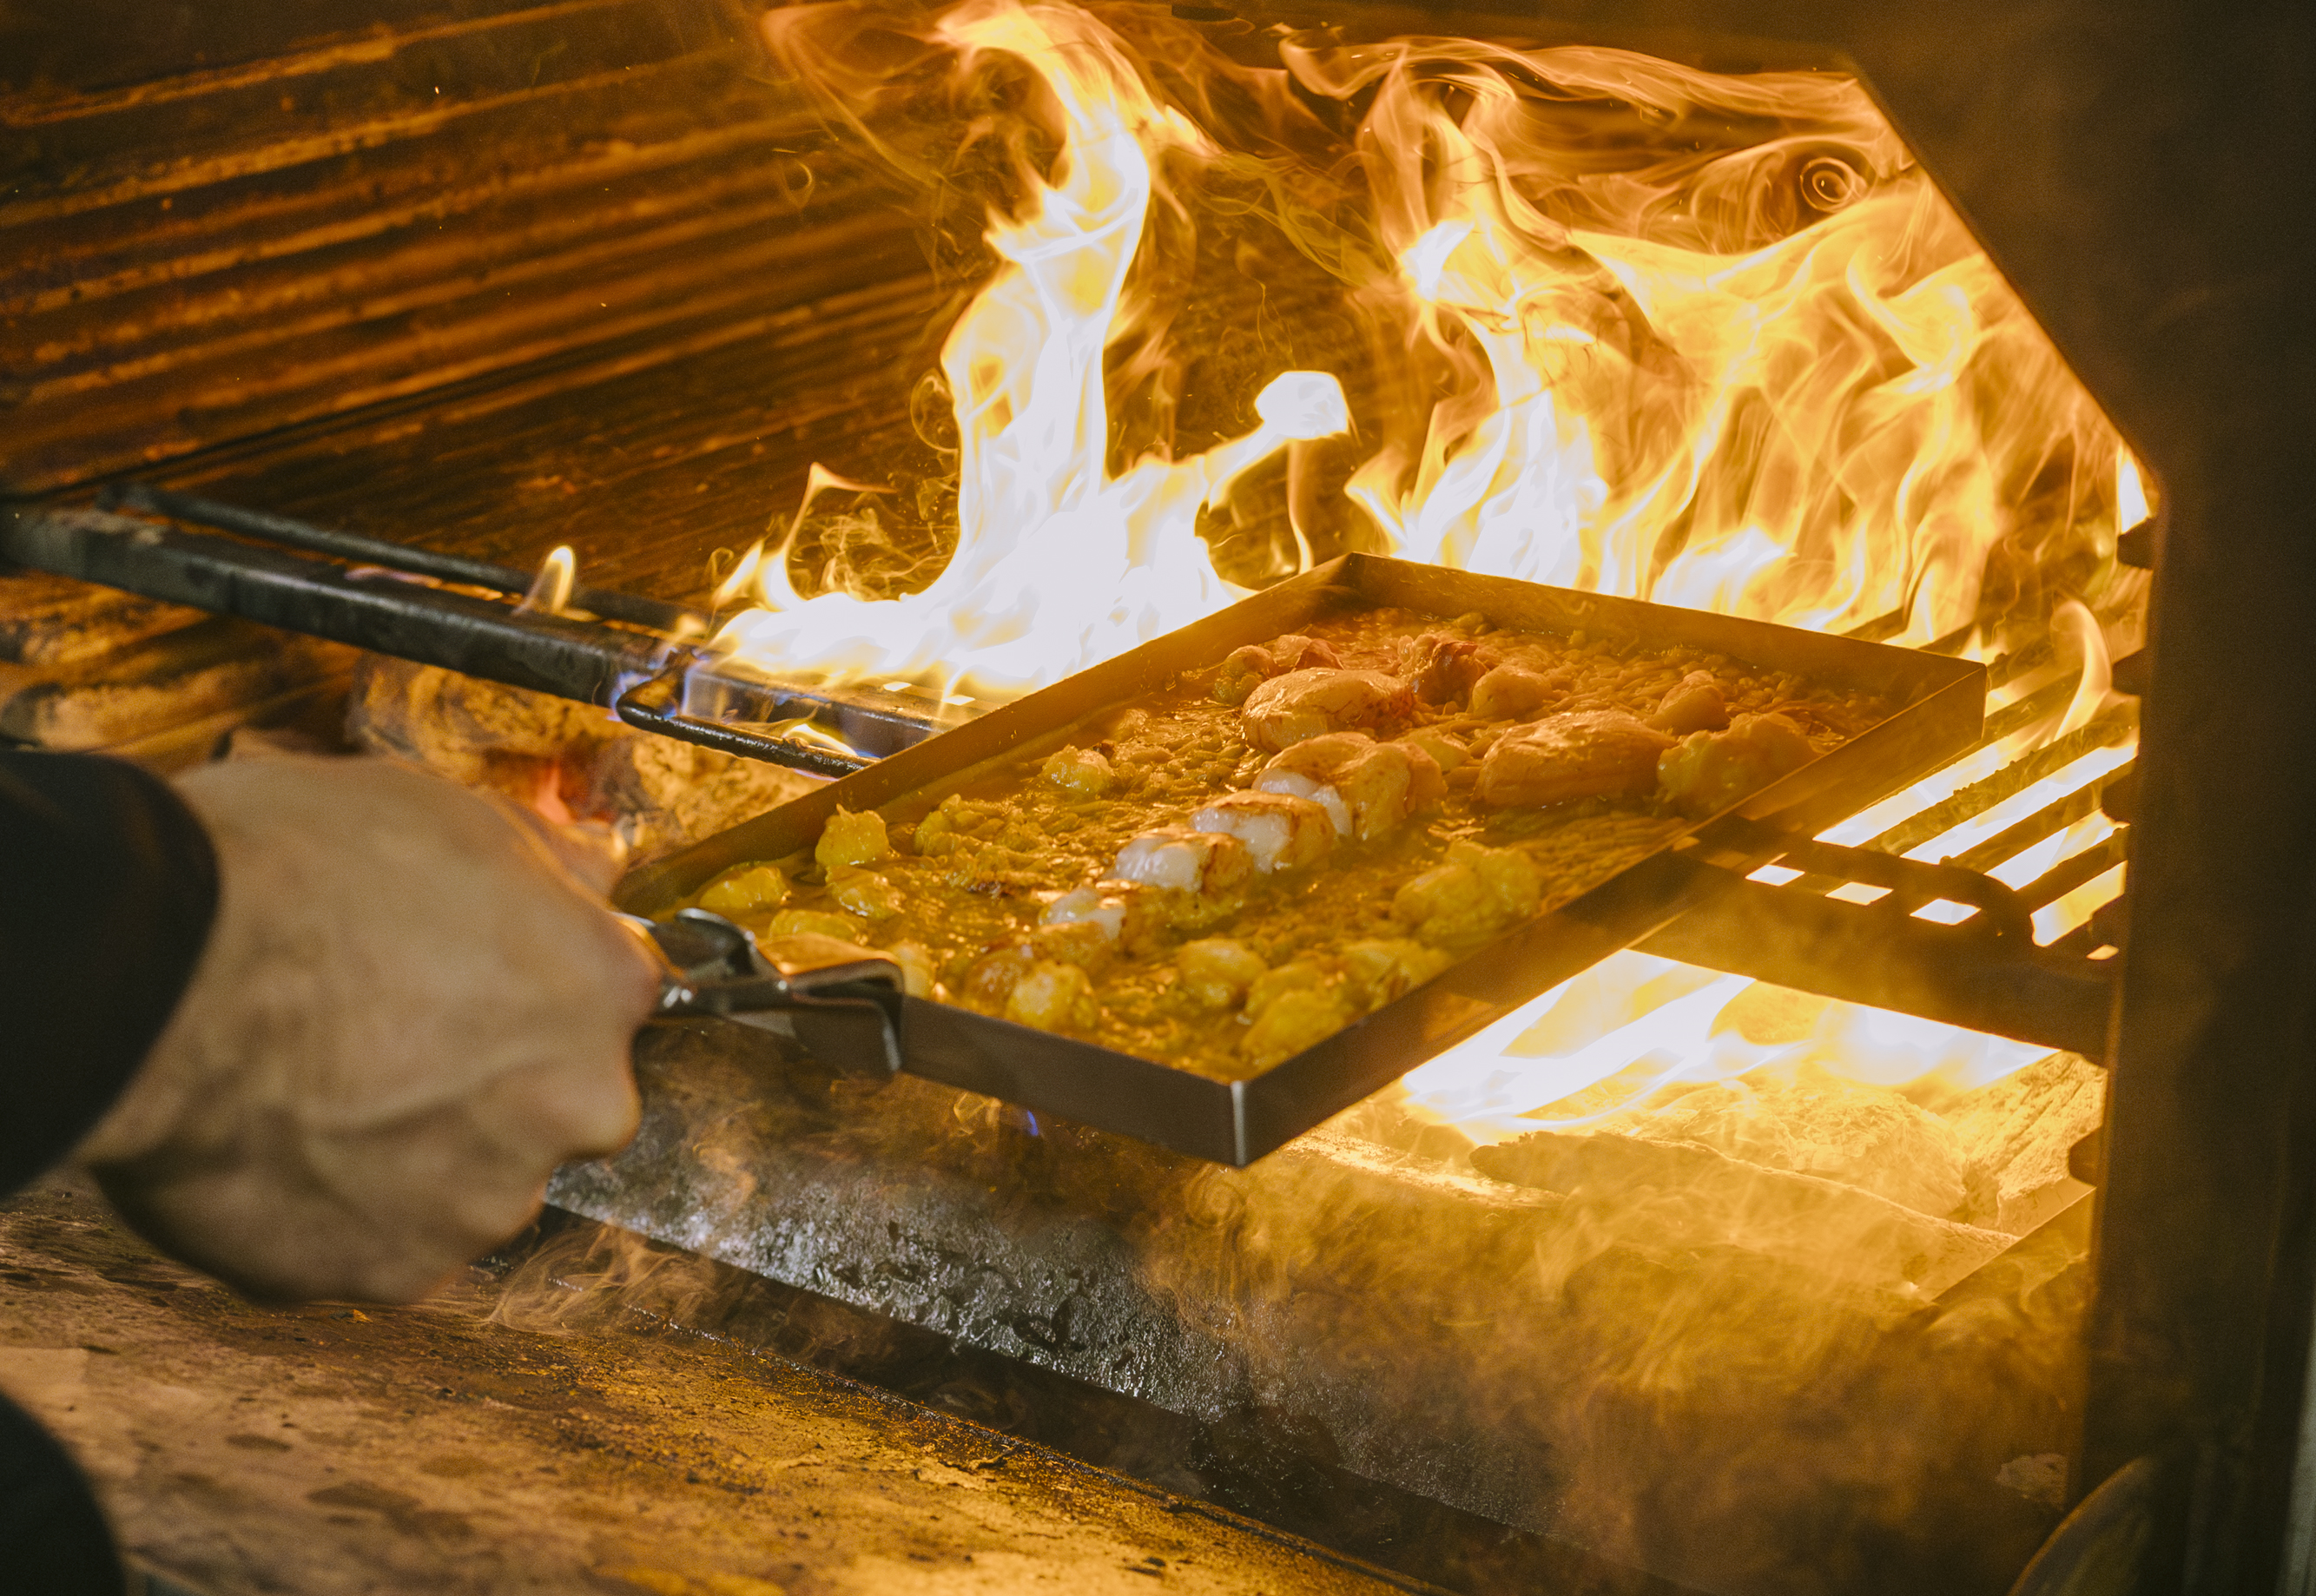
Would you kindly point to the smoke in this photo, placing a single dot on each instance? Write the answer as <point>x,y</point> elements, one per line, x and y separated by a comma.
<point>588,1279</point>
<point>1637,1365</point>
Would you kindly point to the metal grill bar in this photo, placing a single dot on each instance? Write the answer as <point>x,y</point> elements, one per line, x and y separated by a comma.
<point>2008,782</point>
<point>1983,972</point>
<point>634,608</point>
<point>2047,821</point>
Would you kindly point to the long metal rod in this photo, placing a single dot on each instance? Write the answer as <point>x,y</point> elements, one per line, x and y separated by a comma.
<point>638,674</point>
<point>678,620</point>
<point>551,654</point>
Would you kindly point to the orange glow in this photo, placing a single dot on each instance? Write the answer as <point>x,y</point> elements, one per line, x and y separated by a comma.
<point>1777,379</point>
<point>1609,344</point>
<point>1059,563</point>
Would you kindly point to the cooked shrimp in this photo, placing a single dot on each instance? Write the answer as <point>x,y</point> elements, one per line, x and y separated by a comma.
<point>1444,668</point>
<point>1294,651</point>
<point>1590,754</point>
<point>1249,666</point>
<point>1089,905</point>
<point>1310,704</point>
<point>1180,860</point>
<point>1245,670</point>
<point>1281,831</point>
<point>1366,788</point>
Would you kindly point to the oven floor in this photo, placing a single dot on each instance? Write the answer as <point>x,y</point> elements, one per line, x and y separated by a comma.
<point>451,1447</point>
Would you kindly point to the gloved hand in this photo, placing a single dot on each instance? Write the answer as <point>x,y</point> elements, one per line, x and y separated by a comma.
<point>409,1013</point>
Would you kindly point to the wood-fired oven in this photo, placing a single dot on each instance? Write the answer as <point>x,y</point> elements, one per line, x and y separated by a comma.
<point>342,318</point>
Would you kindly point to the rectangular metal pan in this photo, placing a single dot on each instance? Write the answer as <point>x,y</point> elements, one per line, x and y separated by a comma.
<point>1943,704</point>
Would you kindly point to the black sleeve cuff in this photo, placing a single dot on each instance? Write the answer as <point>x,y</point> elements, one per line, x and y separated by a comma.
<point>107,888</point>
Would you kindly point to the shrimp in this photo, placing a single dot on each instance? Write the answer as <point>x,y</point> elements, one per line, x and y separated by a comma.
<point>1256,663</point>
<point>1281,831</point>
<point>1590,753</point>
<point>1444,668</point>
<point>1365,786</point>
<point>1088,906</point>
<point>1180,860</point>
<point>1120,910</point>
<point>1288,710</point>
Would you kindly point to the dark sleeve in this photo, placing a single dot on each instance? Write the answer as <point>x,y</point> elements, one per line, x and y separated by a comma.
<point>52,1534</point>
<point>107,888</point>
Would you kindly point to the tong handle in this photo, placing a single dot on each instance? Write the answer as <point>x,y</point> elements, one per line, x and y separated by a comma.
<point>841,1000</point>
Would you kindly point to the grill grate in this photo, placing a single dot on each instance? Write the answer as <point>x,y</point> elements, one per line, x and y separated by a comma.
<point>2012,933</point>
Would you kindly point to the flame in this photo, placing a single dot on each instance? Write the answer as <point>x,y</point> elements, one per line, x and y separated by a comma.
<point>2131,500</point>
<point>550,589</point>
<point>1822,429</point>
<point>1059,563</point>
<point>1710,340</point>
<point>1774,379</point>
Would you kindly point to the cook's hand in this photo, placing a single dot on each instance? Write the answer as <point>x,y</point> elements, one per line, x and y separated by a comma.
<point>407,1014</point>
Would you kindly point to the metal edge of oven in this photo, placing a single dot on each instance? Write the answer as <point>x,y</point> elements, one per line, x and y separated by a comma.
<point>1234,1122</point>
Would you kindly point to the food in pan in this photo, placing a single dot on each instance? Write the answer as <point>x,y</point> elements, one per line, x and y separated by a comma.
<point>1229,870</point>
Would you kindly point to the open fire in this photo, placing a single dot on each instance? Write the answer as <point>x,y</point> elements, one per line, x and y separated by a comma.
<point>1577,316</point>
<point>1225,301</point>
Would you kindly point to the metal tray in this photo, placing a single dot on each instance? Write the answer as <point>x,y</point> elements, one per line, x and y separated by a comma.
<point>1234,1122</point>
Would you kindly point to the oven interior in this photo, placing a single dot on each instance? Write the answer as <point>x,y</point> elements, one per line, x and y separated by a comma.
<point>617,277</point>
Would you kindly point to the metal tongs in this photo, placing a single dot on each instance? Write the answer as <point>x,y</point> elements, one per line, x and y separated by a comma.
<point>842,1001</point>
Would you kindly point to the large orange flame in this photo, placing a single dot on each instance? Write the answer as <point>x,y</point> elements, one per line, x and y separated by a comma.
<point>1058,562</point>
<point>1713,341</point>
<point>1632,352</point>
